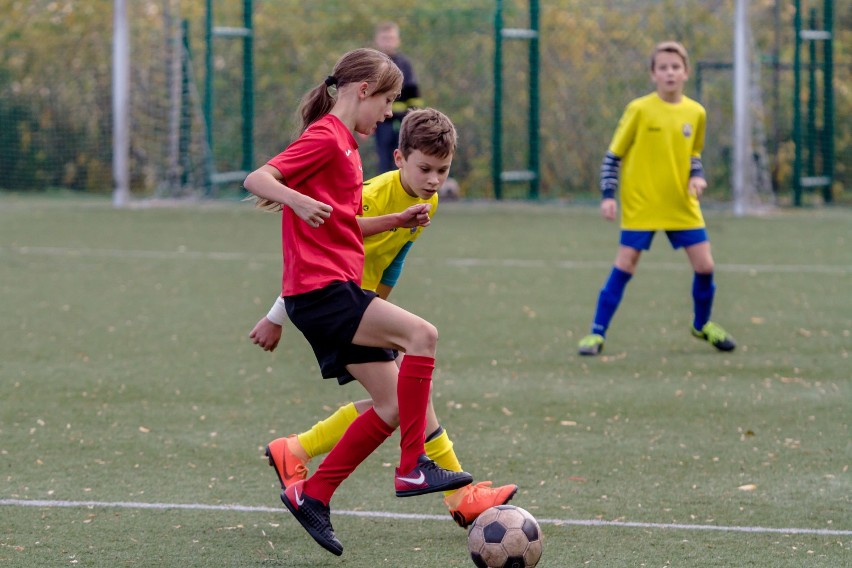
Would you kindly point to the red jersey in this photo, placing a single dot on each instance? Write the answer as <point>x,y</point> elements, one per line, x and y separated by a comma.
<point>322,163</point>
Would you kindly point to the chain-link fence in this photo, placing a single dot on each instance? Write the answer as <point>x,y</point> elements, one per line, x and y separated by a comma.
<point>55,84</point>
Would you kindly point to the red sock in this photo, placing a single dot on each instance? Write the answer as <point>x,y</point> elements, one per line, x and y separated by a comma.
<point>412,392</point>
<point>363,436</point>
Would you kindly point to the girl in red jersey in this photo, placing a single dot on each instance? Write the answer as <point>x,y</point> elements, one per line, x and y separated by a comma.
<point>316,182</point>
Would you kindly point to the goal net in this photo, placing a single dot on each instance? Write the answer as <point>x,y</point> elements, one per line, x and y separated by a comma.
<point>168,152</point>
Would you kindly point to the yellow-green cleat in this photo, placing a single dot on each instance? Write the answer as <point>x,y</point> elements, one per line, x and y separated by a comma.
<point>716,336</point>
<point>591,344</point>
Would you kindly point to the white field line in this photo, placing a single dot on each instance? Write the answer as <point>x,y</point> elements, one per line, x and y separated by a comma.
<point>461,262</point>
<point>413,517</point>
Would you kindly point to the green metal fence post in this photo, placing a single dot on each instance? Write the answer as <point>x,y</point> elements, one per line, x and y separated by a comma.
<point>811,130</point>
<point>248,88</point>
<point>533,159</point>
<point>208,98</point>
<point>185,136</point>
<point>532,173</point>
<point>496,132</point>
<point>828,100</point>
<point>797,106</point>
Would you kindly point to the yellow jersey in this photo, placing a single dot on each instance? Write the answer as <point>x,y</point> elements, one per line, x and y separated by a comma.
<point>656,141</point>
<point>384,194</point>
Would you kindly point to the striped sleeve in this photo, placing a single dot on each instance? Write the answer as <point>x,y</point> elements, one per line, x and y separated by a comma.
<point>696,168</point>
<point>610,169</point>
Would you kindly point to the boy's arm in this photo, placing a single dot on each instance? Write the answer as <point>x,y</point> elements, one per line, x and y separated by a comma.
<point>266,334</point>
<point>610,169</point>
<point>414,216</point>
<point>267,331</point>
<point>697,181</point>
<point>383,291</point>
<point>392,272</point>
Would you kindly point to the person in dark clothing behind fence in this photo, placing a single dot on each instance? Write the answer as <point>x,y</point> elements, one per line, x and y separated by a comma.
<point>387,134</point>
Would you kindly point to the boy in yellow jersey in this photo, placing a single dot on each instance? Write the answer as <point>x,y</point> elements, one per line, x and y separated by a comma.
<point>427,142</point>
<point>656,151</point>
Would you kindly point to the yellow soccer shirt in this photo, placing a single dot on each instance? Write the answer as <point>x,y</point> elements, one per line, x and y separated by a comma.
<point>656,141</point>
<point>384,194</point>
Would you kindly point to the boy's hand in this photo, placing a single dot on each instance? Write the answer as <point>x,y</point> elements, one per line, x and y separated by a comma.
<point>266,334</point>
<point>609,207</point>
<point>311,211</point>
<point>697,185</point>
<point>415,216</point>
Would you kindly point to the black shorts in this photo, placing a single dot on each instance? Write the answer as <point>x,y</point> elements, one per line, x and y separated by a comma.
<point>329,318</point>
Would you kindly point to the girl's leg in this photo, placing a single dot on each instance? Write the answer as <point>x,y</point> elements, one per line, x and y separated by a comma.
<point>387,325</point>
<point>324,435</point>
<point>308,500</point>
<point>366,433</point>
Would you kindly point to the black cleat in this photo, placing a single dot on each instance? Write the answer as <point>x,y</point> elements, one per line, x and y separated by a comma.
<point>428,477</point>
<point>313,516</point>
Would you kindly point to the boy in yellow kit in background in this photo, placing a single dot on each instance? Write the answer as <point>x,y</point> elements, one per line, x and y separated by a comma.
<point>659,139</point>
<point>427,143</point>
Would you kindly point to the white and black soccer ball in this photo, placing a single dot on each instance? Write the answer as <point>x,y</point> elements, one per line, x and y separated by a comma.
<point>505,536</point>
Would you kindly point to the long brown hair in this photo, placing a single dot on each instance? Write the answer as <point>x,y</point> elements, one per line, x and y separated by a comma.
<point>358,65</point>
<point>355,66</point>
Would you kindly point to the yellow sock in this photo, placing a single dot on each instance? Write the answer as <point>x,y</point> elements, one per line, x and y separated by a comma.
<point>440,451</point>
<point>326,433</point>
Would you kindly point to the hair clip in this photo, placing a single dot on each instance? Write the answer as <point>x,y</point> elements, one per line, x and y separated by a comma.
<point>331,86</point>
<point>330,81</point>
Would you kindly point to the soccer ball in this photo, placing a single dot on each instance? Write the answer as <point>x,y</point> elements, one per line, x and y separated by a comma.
<point>505,537</point>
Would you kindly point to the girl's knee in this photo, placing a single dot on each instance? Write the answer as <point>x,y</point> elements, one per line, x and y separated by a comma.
<point>424,339</point>
<point>388,412</point>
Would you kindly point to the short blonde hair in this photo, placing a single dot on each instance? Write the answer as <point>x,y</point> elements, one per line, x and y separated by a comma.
<point>670,47</point>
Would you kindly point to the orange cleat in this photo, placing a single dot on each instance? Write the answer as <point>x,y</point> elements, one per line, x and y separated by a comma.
<point>289,466</point>
<point>471,501</point>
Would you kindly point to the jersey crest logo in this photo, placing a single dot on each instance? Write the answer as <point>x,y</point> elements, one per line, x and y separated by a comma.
<point>687,130</point>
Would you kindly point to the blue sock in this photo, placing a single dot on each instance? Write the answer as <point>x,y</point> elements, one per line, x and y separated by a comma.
<point>609,299</point>
<point>703,290</point>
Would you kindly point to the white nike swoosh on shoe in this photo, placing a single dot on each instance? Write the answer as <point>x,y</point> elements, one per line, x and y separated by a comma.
<point>299,501</point>
<point>415,480</point>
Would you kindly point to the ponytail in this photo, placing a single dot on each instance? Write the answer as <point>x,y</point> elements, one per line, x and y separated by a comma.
<point>315,104</point>
<point>358,65</point>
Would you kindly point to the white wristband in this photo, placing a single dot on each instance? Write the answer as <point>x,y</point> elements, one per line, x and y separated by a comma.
<point>278,313</point>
